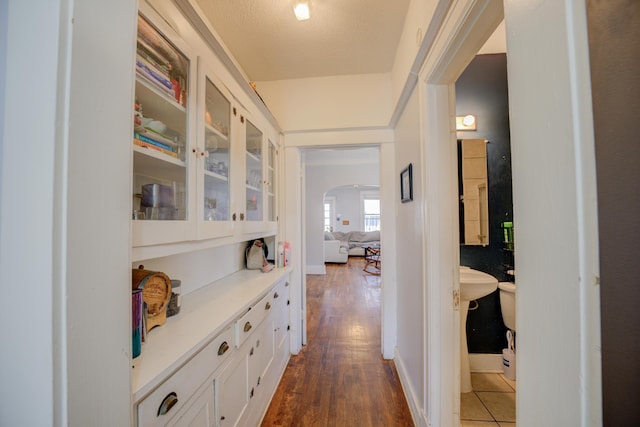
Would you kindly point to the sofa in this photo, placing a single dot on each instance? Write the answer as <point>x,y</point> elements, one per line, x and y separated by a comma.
<point>339,246</point>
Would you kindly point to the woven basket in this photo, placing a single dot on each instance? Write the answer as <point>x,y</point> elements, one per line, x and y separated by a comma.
<point>156,293</point>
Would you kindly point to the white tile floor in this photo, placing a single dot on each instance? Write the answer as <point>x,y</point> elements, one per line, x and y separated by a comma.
<point>492,402</point>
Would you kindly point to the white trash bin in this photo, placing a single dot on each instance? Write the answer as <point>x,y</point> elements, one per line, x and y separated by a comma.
<point>509,363</point>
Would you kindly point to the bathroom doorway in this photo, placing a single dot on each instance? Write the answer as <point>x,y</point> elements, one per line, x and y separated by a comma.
<point>557,61</point>
<point>486,217</point>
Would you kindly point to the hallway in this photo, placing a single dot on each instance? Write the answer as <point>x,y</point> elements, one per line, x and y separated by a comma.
<point>339,378</point>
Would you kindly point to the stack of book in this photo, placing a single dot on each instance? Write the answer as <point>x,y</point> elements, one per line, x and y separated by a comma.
<point>156,142</point>
<point>156,69</point>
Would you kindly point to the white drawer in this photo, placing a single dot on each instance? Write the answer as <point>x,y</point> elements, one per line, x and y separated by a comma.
<point>252,318</point>
<point>280,293</point>
<point>223,345</point>
<point>163,403</point>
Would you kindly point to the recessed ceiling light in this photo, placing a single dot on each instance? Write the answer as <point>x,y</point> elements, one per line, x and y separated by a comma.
<point>301,10</point>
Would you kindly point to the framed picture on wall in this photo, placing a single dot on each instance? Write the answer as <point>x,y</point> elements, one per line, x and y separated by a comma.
<point>406,184</point>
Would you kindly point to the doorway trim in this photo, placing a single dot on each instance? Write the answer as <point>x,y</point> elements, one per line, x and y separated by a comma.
<point>465,28</point>
<point>462,33</point>
<point>295,228</point>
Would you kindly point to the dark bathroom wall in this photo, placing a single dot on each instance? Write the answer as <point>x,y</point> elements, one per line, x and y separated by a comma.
<point>482,90</point>
<point>614,50</point>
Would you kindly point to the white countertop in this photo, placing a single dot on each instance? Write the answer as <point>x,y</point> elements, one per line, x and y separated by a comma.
<point>203,314</point>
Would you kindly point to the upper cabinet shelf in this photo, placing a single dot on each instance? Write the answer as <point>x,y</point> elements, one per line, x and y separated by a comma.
<point>161,63</point>
<point>195,142</point>
<point>162,154</point>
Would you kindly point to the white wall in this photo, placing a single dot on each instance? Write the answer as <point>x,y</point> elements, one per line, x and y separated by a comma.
<point>552,131</point>
<point>409,258</point>
<point>416,26</point>
<point>26,213</point>
<point>65,213</point>
<point>337,102</point>
<point>348,204</point>
<point>199,268</point>
<point>319,179</point>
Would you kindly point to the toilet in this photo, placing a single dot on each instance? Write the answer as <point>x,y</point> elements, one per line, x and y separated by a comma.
<point>508,307</point>
<point>508,303</point>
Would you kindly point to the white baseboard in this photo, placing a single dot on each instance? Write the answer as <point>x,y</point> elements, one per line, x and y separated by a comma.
<point>417,412</point>
<point>488,363</point>
<point>316,269</point>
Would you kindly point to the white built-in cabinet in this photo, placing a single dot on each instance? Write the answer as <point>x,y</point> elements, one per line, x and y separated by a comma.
<point>204,174</point>
<point>204,167</point>
<point>223,373</point>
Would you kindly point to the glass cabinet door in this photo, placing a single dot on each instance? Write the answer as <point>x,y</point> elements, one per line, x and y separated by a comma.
<point>254,207</point>
<point>160,138</point>
<point>217,164</point>
<point>270,185</point>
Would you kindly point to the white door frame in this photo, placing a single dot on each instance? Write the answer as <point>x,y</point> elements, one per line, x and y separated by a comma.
<point>566,291</point>
<point>466,27</point>
<point>295,230</point>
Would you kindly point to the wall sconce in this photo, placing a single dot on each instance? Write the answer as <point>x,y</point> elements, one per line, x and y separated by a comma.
<point>301,10</point>
<point>467,122</point>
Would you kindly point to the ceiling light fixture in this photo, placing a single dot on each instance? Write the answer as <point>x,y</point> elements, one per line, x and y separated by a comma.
<point>301,10</point>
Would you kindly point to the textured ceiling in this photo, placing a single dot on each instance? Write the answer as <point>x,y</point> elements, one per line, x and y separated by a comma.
<point>342,37</point>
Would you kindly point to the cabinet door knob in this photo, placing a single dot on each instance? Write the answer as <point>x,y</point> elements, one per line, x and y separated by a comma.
<point>241,216</point>
<point>241,119</point>
<point>247,326</point>
<point>167,403</point>
<point>251,352</point>
<point>235,112</point>
<point>251,394</point>
<point>223,348</point>
<point>276,295</point>
<point>268,306</point>
<point>233,216</point>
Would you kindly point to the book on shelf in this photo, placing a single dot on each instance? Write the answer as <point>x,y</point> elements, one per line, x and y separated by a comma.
<point>154,68</point>
<point>156,76</point>
<point>152,55</point>
<point>164,49</point>
<point>140,143</point>
<point>153,82</point>
<point>155,138</point>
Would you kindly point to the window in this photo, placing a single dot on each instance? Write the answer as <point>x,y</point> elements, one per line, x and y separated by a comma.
<point>371,209</point>
<point>329,213</point>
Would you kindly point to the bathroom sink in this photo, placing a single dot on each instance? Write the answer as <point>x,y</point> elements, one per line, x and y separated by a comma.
<point>475,284</point>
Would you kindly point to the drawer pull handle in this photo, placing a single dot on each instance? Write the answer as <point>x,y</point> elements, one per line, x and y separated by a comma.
<point>268,306</point>
<point>223,348</point>
<point>168,403</point>
<point>247,326</point>
<point>276,295</point>
<point>251,352</point>
<point>251,394</point>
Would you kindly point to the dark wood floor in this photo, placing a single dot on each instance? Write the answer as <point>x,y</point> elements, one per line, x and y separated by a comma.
<point>339,378</point>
